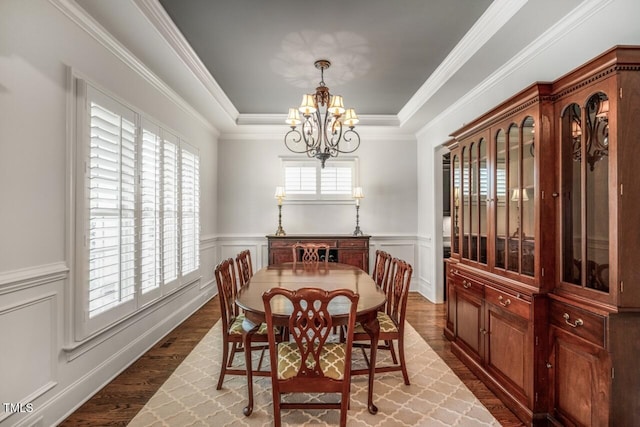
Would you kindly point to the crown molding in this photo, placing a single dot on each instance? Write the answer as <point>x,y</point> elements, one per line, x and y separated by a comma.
<point>160,20</point>
<point>279,119</point>
<point>86,22</point>
<point>497,15</point>
<point>575,18</point>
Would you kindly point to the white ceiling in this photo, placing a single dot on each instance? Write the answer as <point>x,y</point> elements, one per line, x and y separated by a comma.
<point>398,63</point>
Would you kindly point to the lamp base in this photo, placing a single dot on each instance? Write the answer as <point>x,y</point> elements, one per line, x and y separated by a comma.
<point>357,231</point>
<point>280,232</point>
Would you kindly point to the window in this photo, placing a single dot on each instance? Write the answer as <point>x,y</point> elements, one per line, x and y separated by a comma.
<point>307,180</point>
<point>138,210</point>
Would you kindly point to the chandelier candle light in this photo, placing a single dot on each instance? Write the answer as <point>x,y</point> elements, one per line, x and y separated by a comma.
<point>323,118</point>
<point>280,194</point>
<point>358,194</point>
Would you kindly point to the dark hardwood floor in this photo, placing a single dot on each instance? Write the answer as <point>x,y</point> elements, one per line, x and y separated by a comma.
<point>118,402</point>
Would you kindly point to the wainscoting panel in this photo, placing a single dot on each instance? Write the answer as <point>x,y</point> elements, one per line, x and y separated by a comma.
<point>27,360</point>
<point>428,271</point>
<point>403,247</point>
<point>230,247</point>
<point>208,261</point>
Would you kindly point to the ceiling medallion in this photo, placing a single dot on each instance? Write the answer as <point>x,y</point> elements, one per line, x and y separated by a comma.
<point>323,117</point>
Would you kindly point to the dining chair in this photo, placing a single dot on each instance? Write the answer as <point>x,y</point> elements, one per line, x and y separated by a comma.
<point>308,362</point>
<point>232,319</point>
<point>309,255</point>
<point>245,268</point>
<point>391,320</point>
<point>381,268</point>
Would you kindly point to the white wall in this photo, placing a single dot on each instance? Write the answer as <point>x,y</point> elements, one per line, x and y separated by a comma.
<point>39,361</point>
<point>580,38</point>
<point>249,171</point>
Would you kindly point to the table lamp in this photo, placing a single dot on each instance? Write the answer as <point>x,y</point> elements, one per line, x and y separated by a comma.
<point>280,194</point>
<point>357,194</point>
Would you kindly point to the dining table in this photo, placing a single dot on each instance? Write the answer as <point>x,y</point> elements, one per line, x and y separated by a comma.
<point>329,277</point>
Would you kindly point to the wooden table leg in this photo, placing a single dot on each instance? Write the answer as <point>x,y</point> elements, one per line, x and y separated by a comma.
<point>246,338</point>
<point>372,328</point>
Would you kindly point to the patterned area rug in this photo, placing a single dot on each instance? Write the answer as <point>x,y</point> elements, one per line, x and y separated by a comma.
<point>436,396</point>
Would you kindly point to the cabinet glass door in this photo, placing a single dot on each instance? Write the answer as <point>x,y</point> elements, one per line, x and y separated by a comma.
<point>527,202</point>
<point>585,193</point>
<point>484,195</point>
<point>513,179</point>
<point>514,190</point>
<point>500,192</point>
<point>455,233</point>
<point>466,205</point>
<point>473,203</point>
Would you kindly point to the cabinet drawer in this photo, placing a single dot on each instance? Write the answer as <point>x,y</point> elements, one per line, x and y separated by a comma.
<point>353,243</point>
<point>467,285</point>
<point>508,302</point>
<point>281,243</point>
<point>290,243</point>
<point>580,322</point>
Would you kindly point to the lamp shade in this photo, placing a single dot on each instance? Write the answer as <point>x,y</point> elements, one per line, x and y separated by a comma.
<point>308,105</point>
<point>280,194</point>
<point>350,118</point>
<point>336,106</point>
<point>294,117</point>
<point>603,109</point>
<point>358,193</point>
<point>515,195</point>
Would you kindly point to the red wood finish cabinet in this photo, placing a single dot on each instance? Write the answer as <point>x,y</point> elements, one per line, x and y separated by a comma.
<point>544,280</point>
<point>352,250</point>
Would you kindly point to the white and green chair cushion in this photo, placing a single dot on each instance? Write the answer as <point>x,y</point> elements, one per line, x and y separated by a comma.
<point>387,325</point>
<point>332,360</point>
<point>236,327</point>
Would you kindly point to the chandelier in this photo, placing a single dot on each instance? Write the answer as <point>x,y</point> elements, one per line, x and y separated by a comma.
<point>322,134</point>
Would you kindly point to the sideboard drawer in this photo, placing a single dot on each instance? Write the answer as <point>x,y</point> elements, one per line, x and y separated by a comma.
<point>467,285</point>
<point>508,302</point>
<point>288,243</point>
<point>353,243</point>
<point>582,323</point>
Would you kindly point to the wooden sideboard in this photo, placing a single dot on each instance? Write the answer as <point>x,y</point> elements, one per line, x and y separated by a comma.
<point>352,250</point>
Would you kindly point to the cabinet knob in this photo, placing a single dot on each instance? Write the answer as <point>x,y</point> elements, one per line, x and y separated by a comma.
<point>575,324</point>
<point>555,194</point>
<point>483,331</point>
<point>549,365</point>
<point>466,284</point>
<point>504,302</point>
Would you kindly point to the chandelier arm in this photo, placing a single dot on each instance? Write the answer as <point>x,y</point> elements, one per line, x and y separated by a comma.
<point>292,140</point>
<point>332,131</point>
<point>349,136</point>
<point>310,132</point>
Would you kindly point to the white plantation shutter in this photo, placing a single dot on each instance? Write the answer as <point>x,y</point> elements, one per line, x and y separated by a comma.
<point>307,180</point>
<point>111,192</point>
<point>150,273</point>
<point>137,213</point>
<point>300,180</point>
<point>170,208</point>
<point>336,180</point>
<point>190,189</point>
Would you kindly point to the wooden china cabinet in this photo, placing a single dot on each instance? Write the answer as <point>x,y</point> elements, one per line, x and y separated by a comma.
<point>543,281</point>
<point>503,175</point>
<point>594,332</point>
